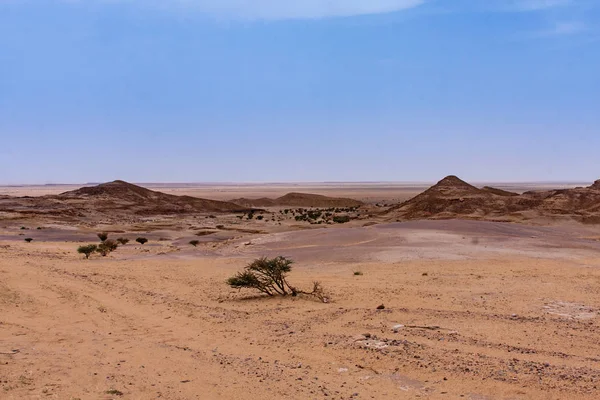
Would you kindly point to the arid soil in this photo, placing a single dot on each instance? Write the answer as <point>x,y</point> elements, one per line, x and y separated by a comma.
<point>473,310</point>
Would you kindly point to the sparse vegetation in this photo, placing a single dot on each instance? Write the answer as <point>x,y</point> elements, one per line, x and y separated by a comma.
<point>87,250</point>
<point>141,240</point>
<point>107,247</point>
<point>269,276</point>
<point>317,216</point>
<point>28,240</point>
<point>103,236</point>
<point>341,219</point>
<point>123,241</point>
<point>358,273</point>
<point>194,243</point>
<point>114,392</point>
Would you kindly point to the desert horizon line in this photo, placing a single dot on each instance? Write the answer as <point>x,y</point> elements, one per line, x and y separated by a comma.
<point>236,183</point>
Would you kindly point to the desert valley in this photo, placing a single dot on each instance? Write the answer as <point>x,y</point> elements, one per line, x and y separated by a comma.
<point>444,291</point>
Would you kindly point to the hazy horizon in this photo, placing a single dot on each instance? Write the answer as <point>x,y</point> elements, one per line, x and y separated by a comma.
<point>251,183</point>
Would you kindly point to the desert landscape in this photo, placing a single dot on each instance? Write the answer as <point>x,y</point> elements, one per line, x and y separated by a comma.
<point>443,291</point>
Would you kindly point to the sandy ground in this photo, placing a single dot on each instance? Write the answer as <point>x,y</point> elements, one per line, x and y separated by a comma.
<point>484,311</point>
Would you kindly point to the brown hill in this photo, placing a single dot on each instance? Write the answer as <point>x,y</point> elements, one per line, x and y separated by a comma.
<point>498,192</point>
<point>262,202</point>
<point>116,200</point>
<point>454,198</point>
<point>449,197</point>
<point>299,200</point>
<point>139,200</point>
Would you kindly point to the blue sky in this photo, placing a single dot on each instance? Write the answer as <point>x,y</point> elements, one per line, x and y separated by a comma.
<point>312,90</point>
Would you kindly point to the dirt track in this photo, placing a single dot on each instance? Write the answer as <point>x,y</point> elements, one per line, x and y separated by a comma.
<point>513,324</point>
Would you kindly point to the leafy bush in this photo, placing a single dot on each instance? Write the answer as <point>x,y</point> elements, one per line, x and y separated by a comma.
<point>28,240</point>
<point>141,240</point>
<point>265,275</point>
<point>123,241</point>
<point>341,219</point>
<point>103,236</point>
<point>107,247</point>
<point>269,276</point>
<point>194,242</point>
<point>87,250</point>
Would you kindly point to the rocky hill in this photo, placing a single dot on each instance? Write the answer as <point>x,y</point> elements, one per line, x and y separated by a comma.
<point>112,201</point>
<point>455,198</point>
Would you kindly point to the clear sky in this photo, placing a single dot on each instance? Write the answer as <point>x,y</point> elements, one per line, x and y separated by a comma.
<point>299,90</point>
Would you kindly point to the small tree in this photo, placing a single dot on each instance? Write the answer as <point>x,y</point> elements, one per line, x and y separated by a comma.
<point>107,247</point>
<point>103,236</point>
<point>28,240</point>
<point>269,276</point>
<point>123,241</point>
<point>141,240</point>
<point>194,242</point>
<point>265,275</point>
<point>87,250</point>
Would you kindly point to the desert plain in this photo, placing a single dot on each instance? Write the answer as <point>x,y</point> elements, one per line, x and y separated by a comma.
<point>451,291</point>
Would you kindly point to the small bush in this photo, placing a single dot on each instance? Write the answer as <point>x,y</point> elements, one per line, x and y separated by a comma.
<point>341,219</point>
<point>265,275</point>
<point>194,242</point>
<point>28,240</point>
<point>141,240</point>
<point>123,241</point>
<point>358,273</point>
<point>260,217</point>
<point>269,276</point>
<point>107,247</point>
<point>103,236</point>
<point>87,250</point>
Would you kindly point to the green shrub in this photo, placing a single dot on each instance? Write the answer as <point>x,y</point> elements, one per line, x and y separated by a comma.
<point>269,276</point>
<point>28,240</point>
<point>103,236</point>
<point>141,240</point>
<point>123,241</point>
<point>341,219</point>
<point>265,275</point>
<point>87,250</point>
<point>107,247</point>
